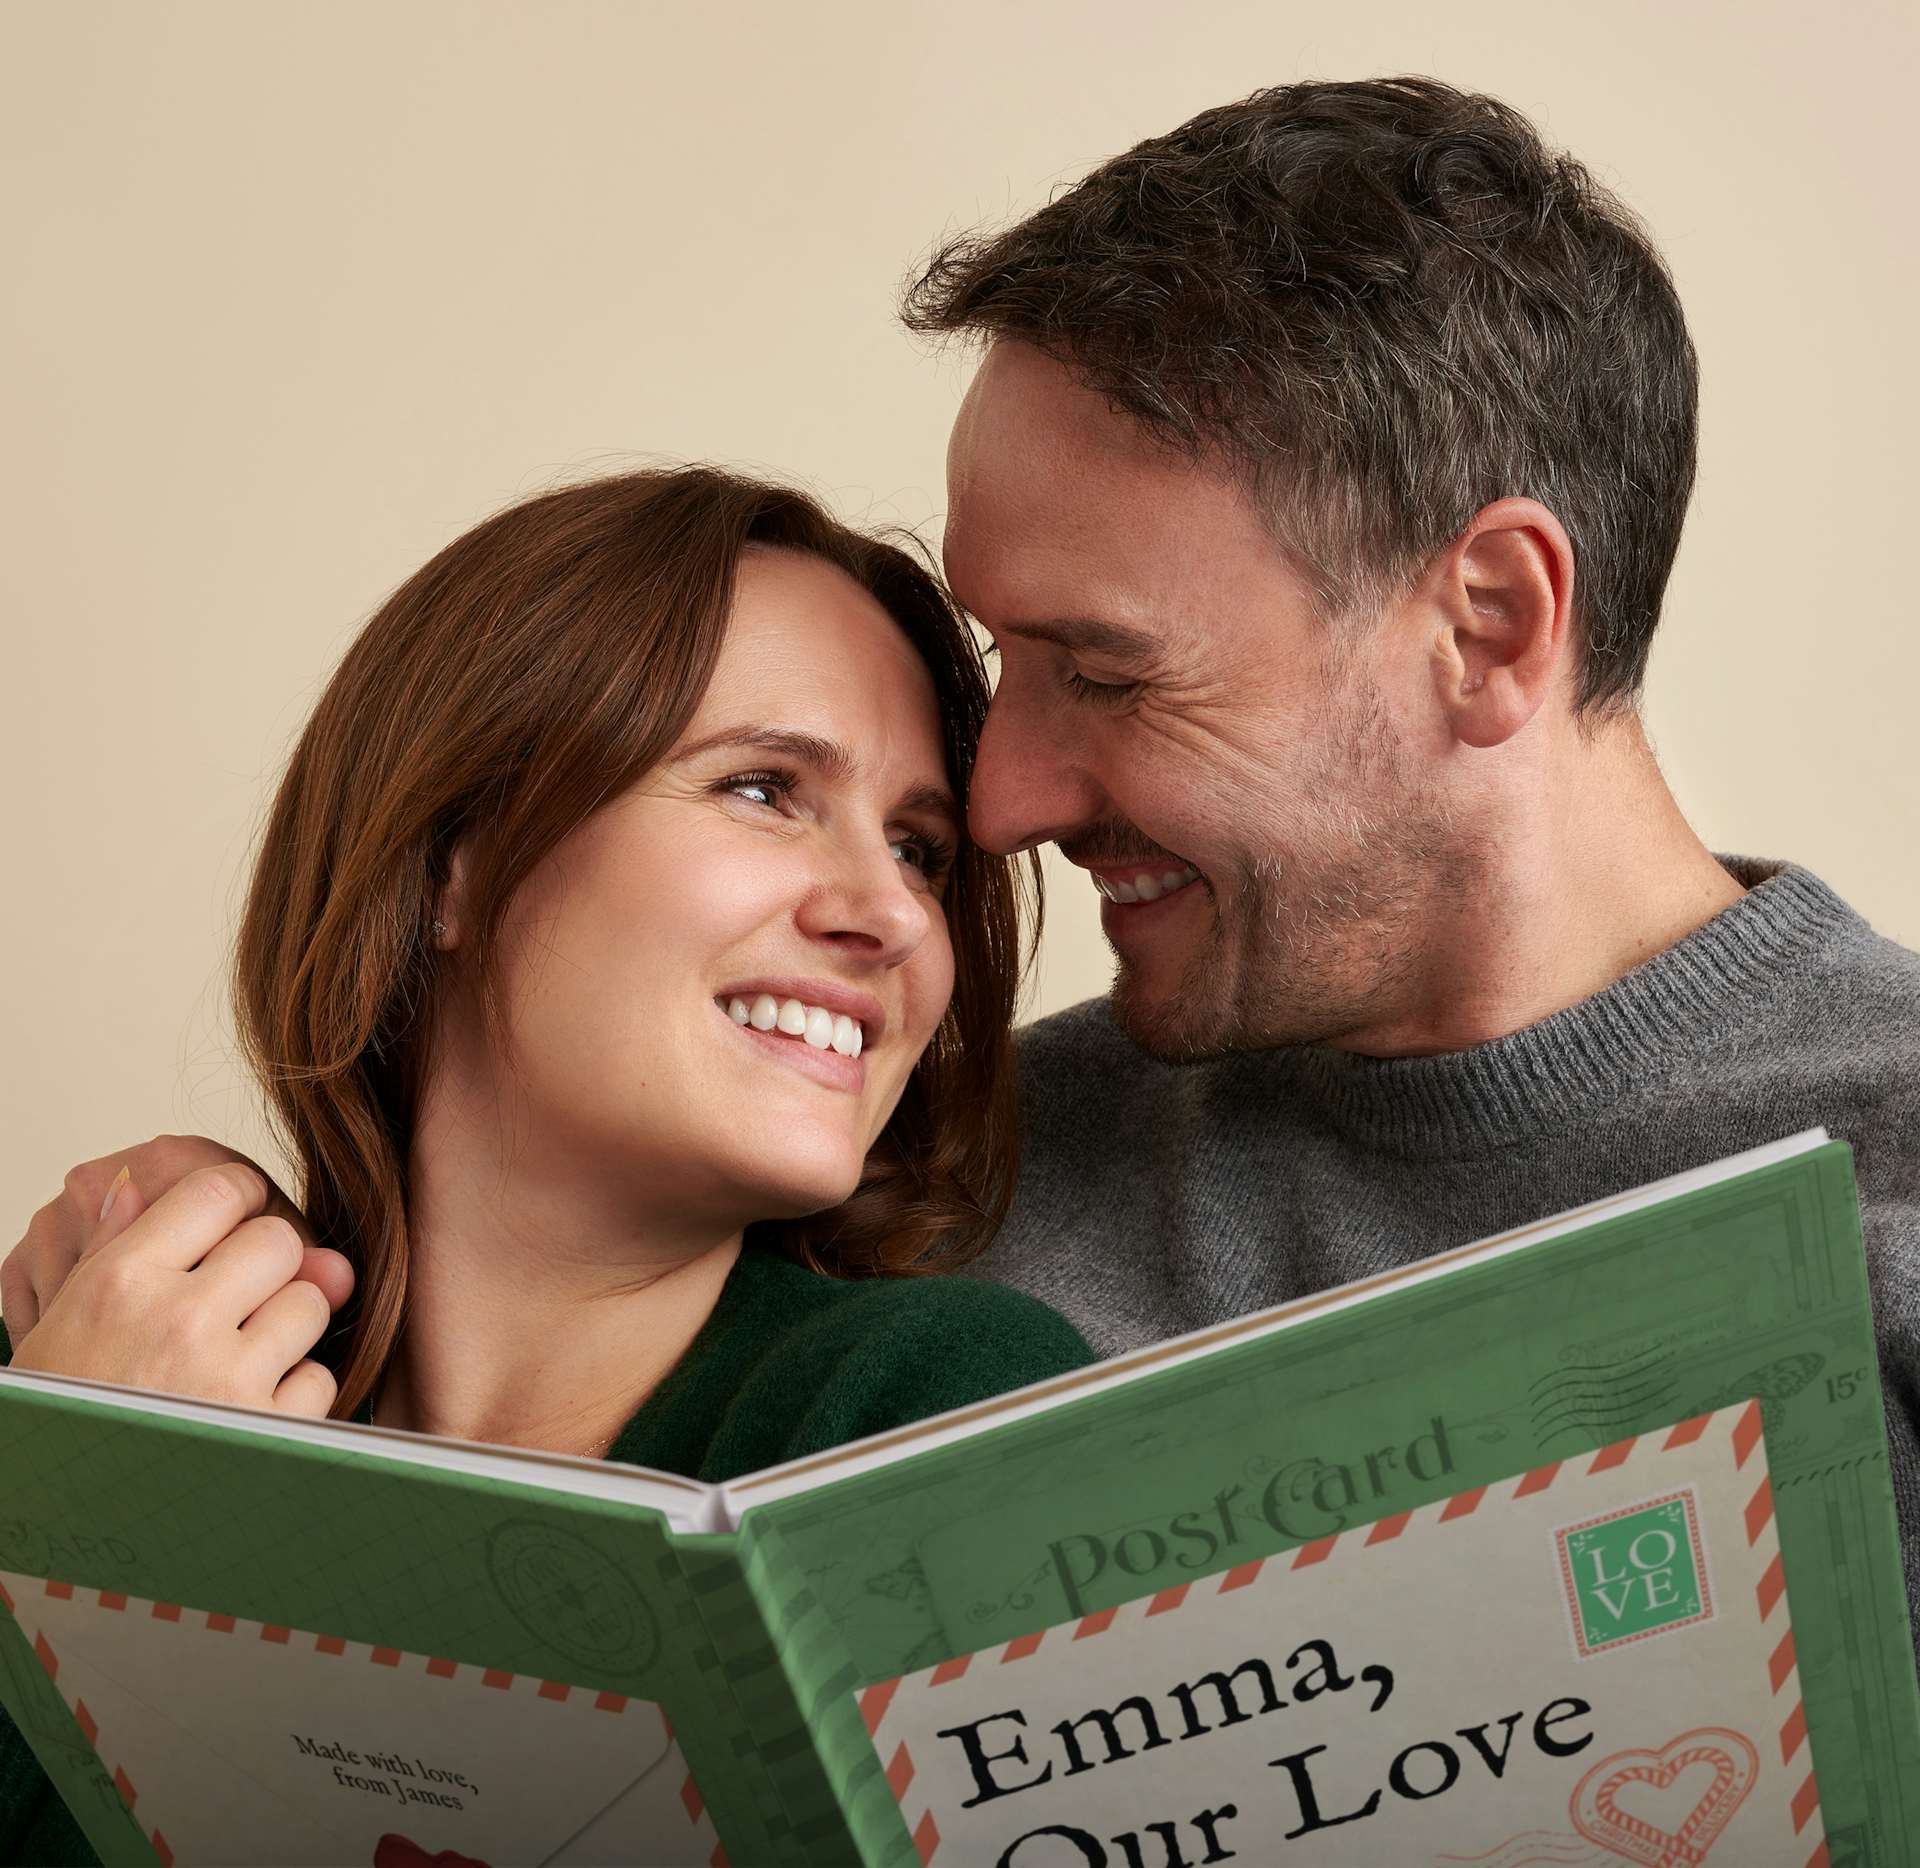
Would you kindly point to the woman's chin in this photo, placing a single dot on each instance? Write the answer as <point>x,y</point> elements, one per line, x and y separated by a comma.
<point>807,1189</point>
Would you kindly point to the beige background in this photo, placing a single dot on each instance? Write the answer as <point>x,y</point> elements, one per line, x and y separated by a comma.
<point>296,293</point>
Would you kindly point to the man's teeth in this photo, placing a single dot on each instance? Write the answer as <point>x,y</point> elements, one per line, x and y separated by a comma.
<point>813,1024</point>
<point>1148,885</point>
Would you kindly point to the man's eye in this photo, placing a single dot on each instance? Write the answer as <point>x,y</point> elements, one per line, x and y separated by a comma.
<point>1100,693</point>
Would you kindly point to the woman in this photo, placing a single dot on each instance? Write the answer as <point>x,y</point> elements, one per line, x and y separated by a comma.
<point>634,1007</point>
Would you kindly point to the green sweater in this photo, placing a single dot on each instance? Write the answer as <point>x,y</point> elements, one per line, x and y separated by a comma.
<point>789,1363</point>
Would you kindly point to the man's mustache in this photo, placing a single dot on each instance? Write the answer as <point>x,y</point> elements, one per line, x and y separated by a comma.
<point>1113,848</point>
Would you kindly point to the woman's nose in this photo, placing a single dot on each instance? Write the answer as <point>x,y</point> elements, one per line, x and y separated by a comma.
<point>867,901</point>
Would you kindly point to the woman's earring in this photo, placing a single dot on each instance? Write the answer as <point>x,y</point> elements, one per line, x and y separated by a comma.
<point>439,930</point>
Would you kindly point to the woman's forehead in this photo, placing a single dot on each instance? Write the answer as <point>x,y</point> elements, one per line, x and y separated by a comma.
<point>808,649</point>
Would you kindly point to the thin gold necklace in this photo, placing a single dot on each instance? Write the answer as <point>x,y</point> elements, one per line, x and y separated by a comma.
<point>598,1450</point>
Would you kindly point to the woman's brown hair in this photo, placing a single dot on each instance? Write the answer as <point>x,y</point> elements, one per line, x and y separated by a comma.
<point>530,673</point>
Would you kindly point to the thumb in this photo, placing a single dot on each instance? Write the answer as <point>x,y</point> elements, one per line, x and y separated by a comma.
<point>124,1204</point>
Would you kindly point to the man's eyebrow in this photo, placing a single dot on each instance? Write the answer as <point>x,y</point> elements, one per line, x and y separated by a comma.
<point>1090,634</point>
<point>833,761</point>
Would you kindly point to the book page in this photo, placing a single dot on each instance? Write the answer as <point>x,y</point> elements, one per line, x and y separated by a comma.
<point>274,1649</point>
<point>1588,1663</point>
<point>238,1742</point>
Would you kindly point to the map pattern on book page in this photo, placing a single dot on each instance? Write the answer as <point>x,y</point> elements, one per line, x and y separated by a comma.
<point>1586,1664</point>
<point>238,1742</point>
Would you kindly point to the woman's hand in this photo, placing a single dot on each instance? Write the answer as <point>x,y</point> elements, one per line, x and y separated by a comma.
<point>203,1293</point>
<point>63,1231</point>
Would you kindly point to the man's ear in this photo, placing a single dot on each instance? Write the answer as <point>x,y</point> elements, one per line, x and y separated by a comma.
<point>1501,596</point>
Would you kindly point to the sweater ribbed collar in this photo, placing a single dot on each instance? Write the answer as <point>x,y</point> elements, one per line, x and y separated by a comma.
<point>1645,1025</point>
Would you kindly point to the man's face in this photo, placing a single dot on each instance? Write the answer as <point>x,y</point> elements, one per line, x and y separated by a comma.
<point>1170,707</point>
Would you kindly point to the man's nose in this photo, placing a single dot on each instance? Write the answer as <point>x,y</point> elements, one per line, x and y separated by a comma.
<point>1027,788</point>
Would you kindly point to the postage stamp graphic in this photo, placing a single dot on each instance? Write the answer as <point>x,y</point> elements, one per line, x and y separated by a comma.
<point>1635,1572</point>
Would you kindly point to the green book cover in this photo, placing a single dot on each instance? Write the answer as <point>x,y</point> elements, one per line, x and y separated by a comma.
<point>1576,1546</point>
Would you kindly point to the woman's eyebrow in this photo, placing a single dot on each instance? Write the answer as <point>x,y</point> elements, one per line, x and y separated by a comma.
<point>833,761</point>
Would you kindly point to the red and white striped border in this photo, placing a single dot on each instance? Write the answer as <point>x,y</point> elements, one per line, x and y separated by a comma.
<point>213,1622</point>
<point>1743,1430</point>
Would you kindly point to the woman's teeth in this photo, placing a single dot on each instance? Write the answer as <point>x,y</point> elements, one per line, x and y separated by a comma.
<point>1147,886</point>
<point>813,1024</point>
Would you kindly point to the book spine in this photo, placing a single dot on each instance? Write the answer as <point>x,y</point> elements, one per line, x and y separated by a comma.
<point>780,1804</point>
<point>846,1803</point>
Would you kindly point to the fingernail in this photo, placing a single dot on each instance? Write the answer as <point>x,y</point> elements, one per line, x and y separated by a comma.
<point>113,1192</point>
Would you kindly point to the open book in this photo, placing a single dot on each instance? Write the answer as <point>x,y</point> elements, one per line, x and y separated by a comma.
<point>1574,1546</point>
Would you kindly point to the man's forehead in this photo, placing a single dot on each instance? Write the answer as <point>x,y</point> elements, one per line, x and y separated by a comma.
<point>1016,556</point>
<point>1058,507</point>
<point>1026,417</point>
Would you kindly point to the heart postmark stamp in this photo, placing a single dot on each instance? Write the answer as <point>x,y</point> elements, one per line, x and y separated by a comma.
<point>1667,1808</point>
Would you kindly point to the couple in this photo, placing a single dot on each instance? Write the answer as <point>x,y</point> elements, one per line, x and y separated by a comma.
<point>636,1000</point>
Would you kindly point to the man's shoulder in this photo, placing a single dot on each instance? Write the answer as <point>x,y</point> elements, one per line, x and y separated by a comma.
<point>1850,1020</point>
<point>1876,976</point>
<point>1823,944</point>
<point>1827,1034</point>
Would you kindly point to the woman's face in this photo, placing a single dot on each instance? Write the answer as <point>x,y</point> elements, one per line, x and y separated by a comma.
<point>784,863</point>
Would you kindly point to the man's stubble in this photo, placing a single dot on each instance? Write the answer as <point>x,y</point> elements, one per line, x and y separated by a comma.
<point>1319,940</point>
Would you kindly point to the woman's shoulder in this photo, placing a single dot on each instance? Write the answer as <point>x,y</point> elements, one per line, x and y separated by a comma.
<point>893,1318</point>
<point>859,1357</point>
<point>995,1318</point>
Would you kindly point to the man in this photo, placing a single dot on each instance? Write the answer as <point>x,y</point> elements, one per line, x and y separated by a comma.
<point>1319,489</point>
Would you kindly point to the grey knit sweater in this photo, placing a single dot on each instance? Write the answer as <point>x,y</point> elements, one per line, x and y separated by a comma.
<point>1156,1198</point>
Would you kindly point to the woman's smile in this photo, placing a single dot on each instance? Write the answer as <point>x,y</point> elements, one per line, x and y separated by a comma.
<point>854,1021</point>
<point>817,1026</point>
<point>807,1050</point>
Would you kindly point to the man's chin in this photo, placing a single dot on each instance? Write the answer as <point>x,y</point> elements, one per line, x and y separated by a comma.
<point>1170,1027</point>
<point>1200,1018</point>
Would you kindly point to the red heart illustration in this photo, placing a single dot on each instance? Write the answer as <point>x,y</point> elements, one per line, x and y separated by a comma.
<point>396,1851</point>
<point>1598,1816</point>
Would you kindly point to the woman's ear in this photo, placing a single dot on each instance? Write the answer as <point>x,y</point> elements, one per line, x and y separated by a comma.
<point>1503,593</point>
<point>447,928</point>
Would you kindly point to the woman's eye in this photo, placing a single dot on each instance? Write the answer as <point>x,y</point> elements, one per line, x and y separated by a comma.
<point>929,855</point>
<point>772,785</point>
